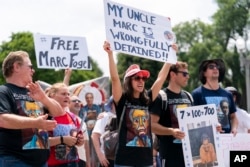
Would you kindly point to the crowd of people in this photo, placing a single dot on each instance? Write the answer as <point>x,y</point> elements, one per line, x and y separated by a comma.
<point>55,128</point>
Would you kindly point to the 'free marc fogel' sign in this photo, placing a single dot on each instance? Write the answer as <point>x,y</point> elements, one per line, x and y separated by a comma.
<point>60,52</point>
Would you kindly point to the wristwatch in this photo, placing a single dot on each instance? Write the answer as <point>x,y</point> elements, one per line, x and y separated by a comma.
<point>61,138</point>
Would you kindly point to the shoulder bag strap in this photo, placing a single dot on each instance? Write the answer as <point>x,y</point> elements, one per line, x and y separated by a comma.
<point>74,118</point>
<point>121,119</point>
<point>164,98</point>
<point>189,96</point>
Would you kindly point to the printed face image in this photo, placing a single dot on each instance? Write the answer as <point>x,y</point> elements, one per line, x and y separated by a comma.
<point>169,36</point>
<point>32,109</point>
<point>140,121</point>
<point>202,145</point>
<point>139,124</point>
<point>205,145</point>
<point>32,138</point>
<point>225,107</point>
<point>89,98</point>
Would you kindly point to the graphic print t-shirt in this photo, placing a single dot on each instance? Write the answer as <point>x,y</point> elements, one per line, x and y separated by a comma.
<point>30,145</point>
<point>168,118</point>
<point>67,125</point>
<point>89,114</point>
<point>135,140</point>
<point>223,101</point>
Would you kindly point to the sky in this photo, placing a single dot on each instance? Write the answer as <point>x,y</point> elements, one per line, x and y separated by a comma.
<point>85,18</point>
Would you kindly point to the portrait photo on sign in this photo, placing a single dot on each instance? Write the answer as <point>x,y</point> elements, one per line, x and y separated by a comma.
<point>202,146</point>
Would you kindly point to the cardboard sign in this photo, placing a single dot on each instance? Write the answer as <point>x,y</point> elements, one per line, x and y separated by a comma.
<point>139,33</point>
<point>60,52</point>
<point>201,145</point>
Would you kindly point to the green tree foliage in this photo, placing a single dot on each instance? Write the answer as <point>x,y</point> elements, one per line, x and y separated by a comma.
<point>196,43</point>
<point>24,41</point>
<point>230,21</point>
<point>199,41</point>
<point>231,18</point>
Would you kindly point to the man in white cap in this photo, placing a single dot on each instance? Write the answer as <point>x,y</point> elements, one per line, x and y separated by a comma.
<point>242,115</point>
<point>211,73</point>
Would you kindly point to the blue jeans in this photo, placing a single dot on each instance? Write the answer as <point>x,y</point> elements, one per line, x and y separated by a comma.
<point>11,161</point>
<point>132,166</point>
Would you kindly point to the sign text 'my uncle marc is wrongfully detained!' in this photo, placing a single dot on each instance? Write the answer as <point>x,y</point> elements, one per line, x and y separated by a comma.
<point>139,42</point>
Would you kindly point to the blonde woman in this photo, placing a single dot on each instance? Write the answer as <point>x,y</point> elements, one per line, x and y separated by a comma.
<point>67,135</point>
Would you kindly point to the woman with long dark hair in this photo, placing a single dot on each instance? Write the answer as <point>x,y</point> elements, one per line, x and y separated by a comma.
<point>132,102</point>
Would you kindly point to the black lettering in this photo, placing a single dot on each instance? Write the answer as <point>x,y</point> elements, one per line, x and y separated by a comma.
<point>61,43</point>
<point>125,25</point>
<point>68,45</point>
<point>54,42</point>
<point>72,60</point>
<point>75,45</point>
<point>114,8</point>
<point>43,56</point>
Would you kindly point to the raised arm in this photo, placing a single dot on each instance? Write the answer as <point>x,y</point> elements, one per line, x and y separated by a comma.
<point>162,76</point>
<point>115,80</point>
<point>67,75</point>
<point>36,92</point>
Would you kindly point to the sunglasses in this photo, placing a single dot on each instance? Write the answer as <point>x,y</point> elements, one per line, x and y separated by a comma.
<point>212,66</point>
<point>138,78</point>
<point>184,73</point>
<point>31,67</point>
<point>76,101</point>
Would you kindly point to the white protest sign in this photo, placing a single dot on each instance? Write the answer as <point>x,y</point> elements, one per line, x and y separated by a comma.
<point>60,52</point>
<point>140,33</point>
<point>240,142</point>
<point>201,145</point>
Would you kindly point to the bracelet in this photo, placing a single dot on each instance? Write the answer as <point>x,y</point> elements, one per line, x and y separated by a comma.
<point>61,139</point>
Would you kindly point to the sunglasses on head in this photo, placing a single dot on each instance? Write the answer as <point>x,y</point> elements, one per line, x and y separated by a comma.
<point>184,73</point>
<point>138,78</point>
<point>78,101</point>
<point>212,66</point>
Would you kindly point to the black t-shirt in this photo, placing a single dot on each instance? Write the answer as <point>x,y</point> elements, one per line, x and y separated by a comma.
<point>167,148</point>
<point>135,139</point>
<point>29,145</point>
